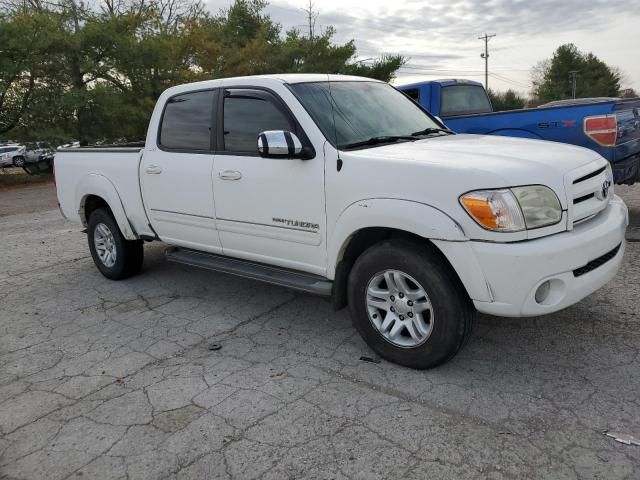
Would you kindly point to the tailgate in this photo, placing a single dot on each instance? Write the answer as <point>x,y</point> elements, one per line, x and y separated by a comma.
<point>628,116</point>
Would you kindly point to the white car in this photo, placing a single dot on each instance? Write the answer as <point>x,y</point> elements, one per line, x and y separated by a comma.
<point>342,186</point>
<point>38,151</point>
<point>11,153</point>
<point>75,144</point>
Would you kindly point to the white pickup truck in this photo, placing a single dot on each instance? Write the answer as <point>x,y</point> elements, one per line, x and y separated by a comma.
<point>343,186</point>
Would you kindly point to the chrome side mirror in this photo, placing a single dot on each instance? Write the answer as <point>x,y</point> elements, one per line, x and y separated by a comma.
<point>279,144</point>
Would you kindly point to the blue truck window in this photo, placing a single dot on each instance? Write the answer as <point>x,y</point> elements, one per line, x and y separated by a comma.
<point>413,94</point>
<point>464,100</point>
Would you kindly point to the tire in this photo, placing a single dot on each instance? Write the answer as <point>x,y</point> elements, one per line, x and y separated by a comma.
<point>103,236</point>
<point>441,319</point>
<point>18,161</point>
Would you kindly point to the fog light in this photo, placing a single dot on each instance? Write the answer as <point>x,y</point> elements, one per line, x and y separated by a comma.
<point>543,291</point>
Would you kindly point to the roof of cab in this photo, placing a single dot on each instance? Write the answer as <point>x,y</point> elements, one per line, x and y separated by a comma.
<point>286,78</point>
<point>302,78</point>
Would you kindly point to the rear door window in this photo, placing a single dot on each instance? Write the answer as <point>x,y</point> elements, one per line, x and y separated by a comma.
<point>187,121</point>
<point>464,100</point>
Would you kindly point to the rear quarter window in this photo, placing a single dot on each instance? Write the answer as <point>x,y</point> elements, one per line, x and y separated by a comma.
<point>464,100</point>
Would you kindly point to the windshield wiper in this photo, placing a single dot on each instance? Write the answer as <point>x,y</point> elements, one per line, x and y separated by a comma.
<point>430,130</point>
<point>378,140</point>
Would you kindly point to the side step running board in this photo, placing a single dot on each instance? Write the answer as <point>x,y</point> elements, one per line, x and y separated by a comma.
<point>305,282</point>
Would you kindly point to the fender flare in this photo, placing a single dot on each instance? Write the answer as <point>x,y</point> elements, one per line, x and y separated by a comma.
<point>420,219</point>
<point>101,186</point>
<point>414,217</point>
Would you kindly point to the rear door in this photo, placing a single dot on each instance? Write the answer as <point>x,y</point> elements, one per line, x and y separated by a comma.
<point>176,173</point>
<point>268,210</point>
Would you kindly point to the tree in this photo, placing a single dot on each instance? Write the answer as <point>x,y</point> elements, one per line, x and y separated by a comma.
<point>509,100</point>
<point>628,93</point>
<point>93,72</point>
<point>552,79</point>
<point>28,42</point>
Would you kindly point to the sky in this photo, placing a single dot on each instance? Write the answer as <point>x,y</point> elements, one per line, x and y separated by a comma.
<point>440,37</point>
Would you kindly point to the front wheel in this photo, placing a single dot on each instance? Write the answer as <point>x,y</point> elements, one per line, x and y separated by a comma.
<point>115,256</point>
<point>18,161</point>
<point>408,305</point>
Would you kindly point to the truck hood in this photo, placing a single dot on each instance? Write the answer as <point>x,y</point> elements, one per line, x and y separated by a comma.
<point>517,160</point>
<point>437,170</point>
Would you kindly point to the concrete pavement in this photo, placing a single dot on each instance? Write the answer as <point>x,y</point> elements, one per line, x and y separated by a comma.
<point>118,380</point>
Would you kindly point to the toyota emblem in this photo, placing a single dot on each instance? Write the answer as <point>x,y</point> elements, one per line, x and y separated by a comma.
<point>604,192</point>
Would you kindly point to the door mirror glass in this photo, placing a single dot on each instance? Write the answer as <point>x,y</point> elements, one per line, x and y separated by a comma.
<point>279,144</point>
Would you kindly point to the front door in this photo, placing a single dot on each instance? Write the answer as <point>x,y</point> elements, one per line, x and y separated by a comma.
<point>176,173</point>
<point>268,210</point>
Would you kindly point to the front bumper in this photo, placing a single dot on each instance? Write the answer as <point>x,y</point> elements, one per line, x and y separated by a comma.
<point>513,272</point>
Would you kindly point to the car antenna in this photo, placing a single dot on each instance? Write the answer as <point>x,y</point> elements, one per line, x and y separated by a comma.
<point>335,130</point>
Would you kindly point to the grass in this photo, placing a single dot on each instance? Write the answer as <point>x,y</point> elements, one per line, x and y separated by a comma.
<point>9,179</point>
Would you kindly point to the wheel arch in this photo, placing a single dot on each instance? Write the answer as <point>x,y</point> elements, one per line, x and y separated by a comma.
<point>96,191</point>
<point>368,222</point>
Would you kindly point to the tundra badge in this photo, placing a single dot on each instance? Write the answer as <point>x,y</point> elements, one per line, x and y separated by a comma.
<point>297,223</point>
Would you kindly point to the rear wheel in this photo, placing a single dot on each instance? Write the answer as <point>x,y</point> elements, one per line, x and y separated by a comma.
<point>408,305</point>
<point>18,161</point>
<point>115,256</point>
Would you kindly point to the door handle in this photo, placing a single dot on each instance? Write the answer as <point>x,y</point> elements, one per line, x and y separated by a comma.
<point>230,175</point>
<point>153,169</point>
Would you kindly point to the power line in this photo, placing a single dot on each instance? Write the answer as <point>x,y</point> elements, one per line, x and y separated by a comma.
<point>427,67</point>
<point>485,55</point>
<point>510,80</point>
<point>412,69</point>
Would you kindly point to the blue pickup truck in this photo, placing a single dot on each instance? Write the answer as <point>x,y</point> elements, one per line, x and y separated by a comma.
<point>611,127</point>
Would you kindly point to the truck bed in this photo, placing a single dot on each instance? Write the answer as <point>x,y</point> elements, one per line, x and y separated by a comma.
<point>116,166</point>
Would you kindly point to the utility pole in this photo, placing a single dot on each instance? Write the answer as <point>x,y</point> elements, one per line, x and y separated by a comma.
<point>574,76</point>
<point>485,55</point>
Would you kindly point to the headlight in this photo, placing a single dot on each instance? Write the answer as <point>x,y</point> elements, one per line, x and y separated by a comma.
<point>540,206</point>
<point>513,210</point>
<point>496,210</point>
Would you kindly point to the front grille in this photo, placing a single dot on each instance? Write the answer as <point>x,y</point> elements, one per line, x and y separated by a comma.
<point>590,175</point>
<point>587,194</point>
<point>598,262</point>
<point>584,198</point>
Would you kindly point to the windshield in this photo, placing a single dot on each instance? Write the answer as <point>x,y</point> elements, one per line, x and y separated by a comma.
<point>362,111</point>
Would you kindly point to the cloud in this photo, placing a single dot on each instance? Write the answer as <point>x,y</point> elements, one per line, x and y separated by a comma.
<point>443,34</point>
